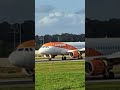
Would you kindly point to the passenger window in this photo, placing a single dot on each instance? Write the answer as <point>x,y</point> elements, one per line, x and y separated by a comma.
<point>31,49</point>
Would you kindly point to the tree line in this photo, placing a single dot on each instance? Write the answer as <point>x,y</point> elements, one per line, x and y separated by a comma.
<point>106,28</point>
<point>10,35</point>
<point>65,37</point>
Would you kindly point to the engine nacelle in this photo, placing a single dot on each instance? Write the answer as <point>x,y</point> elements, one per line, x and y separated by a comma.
<point>74,54</point>
<point>95,67</point>
<point>28,72</point>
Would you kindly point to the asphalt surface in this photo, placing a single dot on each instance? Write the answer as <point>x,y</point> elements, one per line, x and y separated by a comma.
<point>5,63</point>
<point>99,79</point>
<point>16,81</point>
<point>57,60</point>
<point>103,81</point>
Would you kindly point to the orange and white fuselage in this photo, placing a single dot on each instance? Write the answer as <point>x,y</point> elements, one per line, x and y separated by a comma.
<point>62,48</point>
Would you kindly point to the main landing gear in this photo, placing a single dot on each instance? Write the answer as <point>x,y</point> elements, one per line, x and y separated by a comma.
<point>63,57</point>
<point>80,57</point>
<point>109,74</point>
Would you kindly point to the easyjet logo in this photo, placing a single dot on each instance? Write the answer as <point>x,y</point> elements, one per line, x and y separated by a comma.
<point>59,45</point>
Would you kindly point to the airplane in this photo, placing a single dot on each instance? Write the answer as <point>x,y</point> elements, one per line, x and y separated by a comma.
<point>24,57</point>
<point>102,54</point>
<point>52,49</point>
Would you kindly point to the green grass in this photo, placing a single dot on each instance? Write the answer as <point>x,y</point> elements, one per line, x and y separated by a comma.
<point>60,76</point>
<point>103,86</point>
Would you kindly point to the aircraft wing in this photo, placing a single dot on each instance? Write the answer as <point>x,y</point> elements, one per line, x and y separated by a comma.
<point>80,50</point>
<point>113,58</point>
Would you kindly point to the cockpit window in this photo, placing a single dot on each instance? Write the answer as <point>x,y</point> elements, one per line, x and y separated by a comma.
<point>31,49</point>
<point>26,49</point>
<point>20,49</point>
<point>45,46</point>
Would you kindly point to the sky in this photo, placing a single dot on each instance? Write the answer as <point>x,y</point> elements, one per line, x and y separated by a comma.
<point>102,9</point>
<point>59,16</point>
<point>15,11</point>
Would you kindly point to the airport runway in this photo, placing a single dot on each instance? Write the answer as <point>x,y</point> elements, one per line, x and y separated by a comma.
<point>5,63</point>
<point>103,81</point>
<point>99,79</point>
<point>57,60</point>
<point>16,81</point>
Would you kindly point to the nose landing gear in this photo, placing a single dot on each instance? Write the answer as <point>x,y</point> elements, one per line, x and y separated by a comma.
<point>63,57</point>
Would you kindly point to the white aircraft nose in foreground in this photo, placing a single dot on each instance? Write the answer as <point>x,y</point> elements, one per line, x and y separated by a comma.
<point>24,56</point>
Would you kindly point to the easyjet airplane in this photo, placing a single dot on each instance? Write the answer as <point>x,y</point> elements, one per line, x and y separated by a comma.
<point>24,56</point>
<point>101,55</point>
<point>52,49</point>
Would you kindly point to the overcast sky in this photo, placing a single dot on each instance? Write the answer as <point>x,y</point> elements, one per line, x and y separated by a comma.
<point>16,10</point>
<point>59,16</point>
<point>102,9</point>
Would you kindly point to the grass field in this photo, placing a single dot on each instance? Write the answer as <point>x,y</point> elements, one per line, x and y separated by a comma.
<point>60,76</point>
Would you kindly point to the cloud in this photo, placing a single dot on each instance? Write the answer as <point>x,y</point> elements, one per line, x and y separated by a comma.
<point>16,11</point>
<point>44,9</point>
<point>61,19</point>
<point>82,11</point>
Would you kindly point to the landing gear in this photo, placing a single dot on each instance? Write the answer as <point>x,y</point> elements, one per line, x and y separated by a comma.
<point>109,74</point>
<point>63,57</point>
<point>80,57</point>
<point>49,59</point>
<point>33,77</point>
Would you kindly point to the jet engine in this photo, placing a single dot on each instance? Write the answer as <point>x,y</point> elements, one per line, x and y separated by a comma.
<point>28,71</point>
<point>74,54</point>
<point>95,67</point>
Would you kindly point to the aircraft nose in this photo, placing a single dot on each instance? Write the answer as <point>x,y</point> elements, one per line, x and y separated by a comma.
<point>13,58</point>
<point>42,51</point>
<point>22,59</point>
